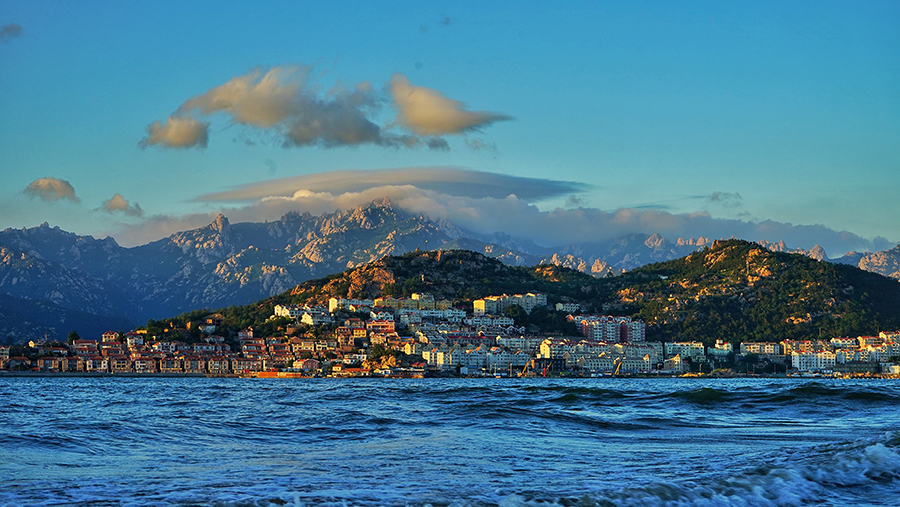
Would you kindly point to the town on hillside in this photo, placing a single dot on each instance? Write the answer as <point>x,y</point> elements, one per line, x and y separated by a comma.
<point>420,336</point>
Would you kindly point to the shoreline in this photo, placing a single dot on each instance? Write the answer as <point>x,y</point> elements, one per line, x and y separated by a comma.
<point>291,375</point>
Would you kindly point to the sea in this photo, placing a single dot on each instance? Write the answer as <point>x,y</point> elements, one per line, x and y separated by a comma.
<point>449,442</point>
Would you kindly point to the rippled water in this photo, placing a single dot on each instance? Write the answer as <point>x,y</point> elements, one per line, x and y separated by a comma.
<point>484,442</point>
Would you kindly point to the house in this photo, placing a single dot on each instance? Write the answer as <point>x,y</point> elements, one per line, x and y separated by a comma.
<point>74,363</point>
<point>194,364</point>
<point>49,363</point>
<point>240,364</point>
<point>380,326</point>
<point>218,365</point>
<point>204,348</point>
<point>110,336</point>
<point>96,364</point>
<point>134,340</point>
<point>167,347</point>
<point>18,361</point>
<point>120,363</point>
<point>171,365</point>
<point>85,347</point>
<point>307,364</point>
<point>145,365</point>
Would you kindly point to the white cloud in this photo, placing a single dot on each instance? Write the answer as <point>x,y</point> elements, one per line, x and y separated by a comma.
<point>427,112</point>
<point>177,132</point>
<point>487,203</point>
<point>51,189</point>
<point>118,203</point>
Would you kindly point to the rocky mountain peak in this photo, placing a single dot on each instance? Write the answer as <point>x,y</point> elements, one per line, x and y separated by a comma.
<point>655,241</point>
<point>220,224</point>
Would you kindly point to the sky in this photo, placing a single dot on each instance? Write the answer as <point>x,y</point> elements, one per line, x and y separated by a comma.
<point>562,123</point>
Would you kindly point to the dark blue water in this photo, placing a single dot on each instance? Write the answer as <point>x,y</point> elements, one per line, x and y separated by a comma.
<point>519,442</point>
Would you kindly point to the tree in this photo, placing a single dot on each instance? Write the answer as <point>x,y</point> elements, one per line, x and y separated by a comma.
<point>73,335</point>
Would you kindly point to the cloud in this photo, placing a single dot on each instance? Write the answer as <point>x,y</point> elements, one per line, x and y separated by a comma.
<point>10,31</point>
<point>51,189</point>
<point>445,180</point>
<point>285,102</point>
<point>118,203</point>
<point>427,112</point>
<point>726,199</point>
<point>480,145</point>
<point>486,203</point>
<point>490,212</point>
<point>177,132</point>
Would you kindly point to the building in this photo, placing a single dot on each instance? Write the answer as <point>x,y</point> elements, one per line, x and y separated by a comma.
<point>568,307</point>
<point>497,305</point>
<point>611,329</point>
<point>762,348</point>
<point>813,361</point>
<point>694,350</point>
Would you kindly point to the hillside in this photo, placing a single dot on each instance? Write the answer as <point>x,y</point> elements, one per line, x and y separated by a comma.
<point>737,290</point>
<point>24,319</point>
<point>224,264</point>
<point>457,275</point>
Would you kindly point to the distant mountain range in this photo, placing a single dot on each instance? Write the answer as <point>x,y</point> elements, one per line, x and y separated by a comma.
<point>226,264</point>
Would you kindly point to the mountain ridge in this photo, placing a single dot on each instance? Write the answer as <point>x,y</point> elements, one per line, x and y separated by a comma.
<point>226,263</point>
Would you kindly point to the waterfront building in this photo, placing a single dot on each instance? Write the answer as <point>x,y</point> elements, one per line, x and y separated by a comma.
<point>693,350</point>
<point>813,361</point>
<point>762,348</point>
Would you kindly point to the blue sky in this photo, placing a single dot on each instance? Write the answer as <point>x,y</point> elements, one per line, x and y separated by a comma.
<point>764,120</point>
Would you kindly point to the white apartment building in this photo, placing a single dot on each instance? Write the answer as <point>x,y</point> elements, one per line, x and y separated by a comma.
<point>844,343</point>
<point>489,320</point>
<point>496,305</point>
<point>694,350</point>
<point>762,348</point>
<point>813,361</point>
<point>568,307</point>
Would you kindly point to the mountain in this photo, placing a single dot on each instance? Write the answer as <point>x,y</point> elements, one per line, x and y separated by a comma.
<point>737,290</point>
<point>225,264</point>
<point>457,275</point>
<point>733,290</point>
<point>22,320</point>
<point>886,263</point>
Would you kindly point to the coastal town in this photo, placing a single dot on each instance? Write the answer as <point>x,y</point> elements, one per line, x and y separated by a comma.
<point>421,336</point>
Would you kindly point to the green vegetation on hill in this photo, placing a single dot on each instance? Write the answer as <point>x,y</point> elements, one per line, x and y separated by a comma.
<point>457,275</point>
<point>740,291</point>
<point>735,290</point>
